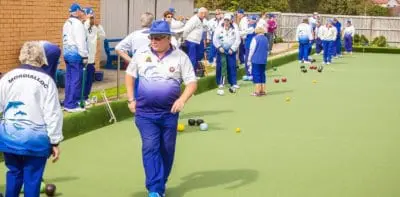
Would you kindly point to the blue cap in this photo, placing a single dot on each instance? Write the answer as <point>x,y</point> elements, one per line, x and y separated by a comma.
<point>240,11</point>
<point>159,27</point>
<point>253,17</point>
<point>88,11</point>
<point>75,7</point>
<point>172,10</point>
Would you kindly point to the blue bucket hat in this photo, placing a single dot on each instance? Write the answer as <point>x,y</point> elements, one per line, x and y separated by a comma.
<point>159,27</point>
<point>253,17</point>
<point>75,7</point>
<point>89,11</point>
<point>172,10</point>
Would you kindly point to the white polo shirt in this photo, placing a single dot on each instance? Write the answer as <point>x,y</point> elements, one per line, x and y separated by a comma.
<point>159,79</point>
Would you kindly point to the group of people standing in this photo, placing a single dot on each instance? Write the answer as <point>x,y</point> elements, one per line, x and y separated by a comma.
<point>80,35</point>
<point>327,38</point>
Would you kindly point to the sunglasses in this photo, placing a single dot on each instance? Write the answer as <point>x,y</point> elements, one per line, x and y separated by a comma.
<point>157,37</point>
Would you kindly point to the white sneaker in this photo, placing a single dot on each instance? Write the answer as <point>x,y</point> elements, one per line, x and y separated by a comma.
<point>328,63</point>
<point>221,86</point>
<point>236,86</point>
<point>220,92</point>
<point>77,109</point>
<point>307,62</point>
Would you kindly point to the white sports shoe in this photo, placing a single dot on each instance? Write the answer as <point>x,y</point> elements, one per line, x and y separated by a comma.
<point>236,86</point>
<point>74,110</point>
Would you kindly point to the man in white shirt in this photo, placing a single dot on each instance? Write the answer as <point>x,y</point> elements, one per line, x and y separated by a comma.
<point>226,40</point>
<point>304,37</point>
<point>75,57</point>
<point>193,34</point>
<point>348,34</point>
<point>94,32</point>
<point>161,68</point>
<point>136,40</point>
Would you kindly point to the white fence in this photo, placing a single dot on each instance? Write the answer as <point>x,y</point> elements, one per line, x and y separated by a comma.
<point>370,26</point>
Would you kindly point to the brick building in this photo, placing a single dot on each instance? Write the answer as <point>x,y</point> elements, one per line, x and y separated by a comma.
<point>23,20</point>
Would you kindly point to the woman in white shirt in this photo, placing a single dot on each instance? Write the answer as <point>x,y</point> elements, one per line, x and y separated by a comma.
<point>94,32</point>
<point>348,34</point>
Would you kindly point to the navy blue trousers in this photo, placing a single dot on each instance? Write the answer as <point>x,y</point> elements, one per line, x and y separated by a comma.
<point>242,52</point>
<point>328,50</point>
<point>73,84</point>
<point>348,43</point>
<point>193,51</point>
<point>90,70</point>
<point>318,45</point>
<point>231,69</point>
<point>158,133</point>
<point>304,48</point>
<point>24,170</point>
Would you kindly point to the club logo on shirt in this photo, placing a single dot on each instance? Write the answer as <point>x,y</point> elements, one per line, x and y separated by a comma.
<point>148,59</point>
<point>171,69</point>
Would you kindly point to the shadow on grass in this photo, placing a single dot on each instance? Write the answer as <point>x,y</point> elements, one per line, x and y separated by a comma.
<point>206,179</point>
<point>203,113</point>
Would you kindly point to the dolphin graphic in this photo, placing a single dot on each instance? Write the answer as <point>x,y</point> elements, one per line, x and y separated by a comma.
<point>20,113</point>
<point>13,104</point>
<point>18,127</point>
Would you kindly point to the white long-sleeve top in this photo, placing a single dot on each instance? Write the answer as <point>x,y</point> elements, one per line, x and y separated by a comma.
<point>134,41</point>
<point>349,31</point>
<point>328,33</point>
<point>243,27</point>
<point>193,30</point>
<point>177,26</point>
<point>94,33</point>
<point>32,117</point>
<point>227,38</point>
<point>137,40</point>
<point>303,32</point>
<point>74,40</point>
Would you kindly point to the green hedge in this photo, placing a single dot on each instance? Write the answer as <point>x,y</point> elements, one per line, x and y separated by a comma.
<point>96,117</point>
<point>369,49</point>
